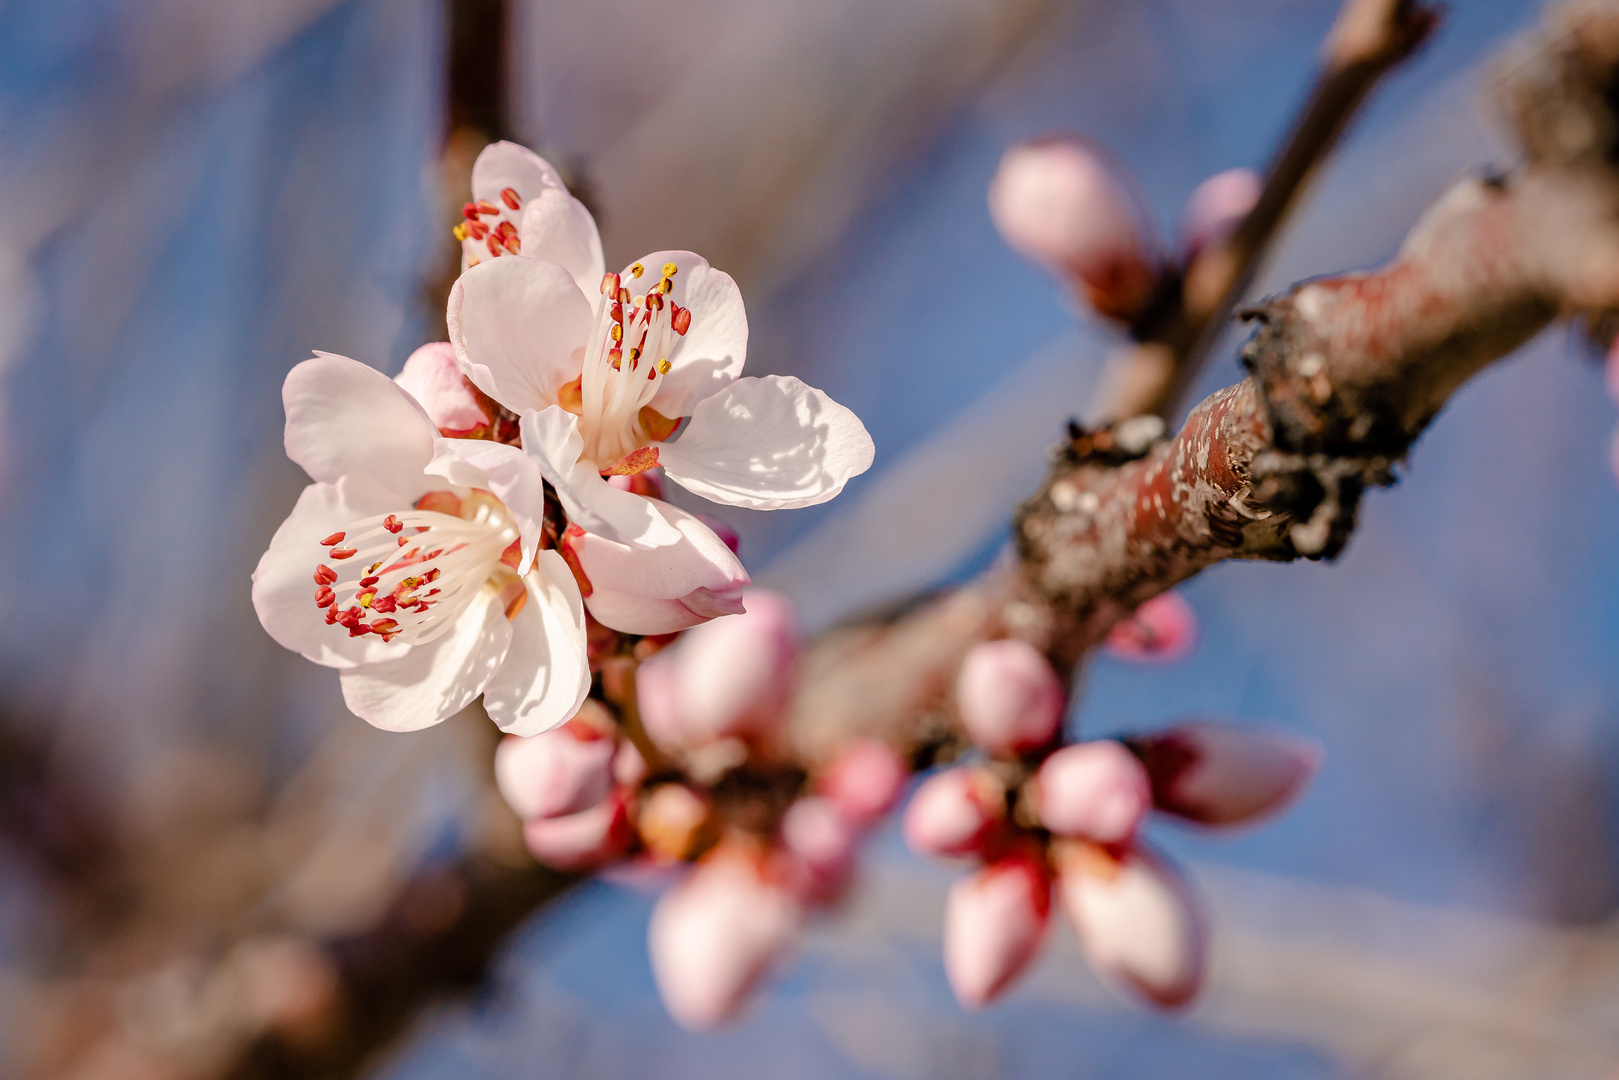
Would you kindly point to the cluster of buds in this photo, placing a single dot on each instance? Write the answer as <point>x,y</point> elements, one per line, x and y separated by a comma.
<point>1039,816</point>
<point>711,787</point>
<point>1065,203</point>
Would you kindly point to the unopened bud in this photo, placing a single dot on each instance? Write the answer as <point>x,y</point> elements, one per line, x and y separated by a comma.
<point>431,376</point>
<point>1216,207</point>
<point>1162,629</point>
<point>1009,699</point>
<point>1137,919</point>
<point>555,773</point>
<point>1064,203</point>
<point>1222,774</point>
<point>994,921</point>
<point>714,935</point>
<point>583,840</point>
<point>820,845</point>
<point>1097,790</point>
<point>954,812</point>
<point>865,780</point>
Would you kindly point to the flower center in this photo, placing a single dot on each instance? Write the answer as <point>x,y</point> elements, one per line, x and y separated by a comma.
<point>410,575</point>
<point>626,358</point>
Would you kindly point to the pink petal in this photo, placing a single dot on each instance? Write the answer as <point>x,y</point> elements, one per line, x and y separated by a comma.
<point>710,355</point>
<point>344,417</point>
<point>994,922</point>
<point>820,843</point>
<point>1138,921</point>
<point>714,935</point>
<point>551,437</point>
<point>583,840</point>
<point>1009,699</point>
<point>650,615</point>
<point>560,772</point>
<point>1064,203</point>
<point>954,812</point>
<point>519,328</point>
<point>432,377</point>
<point>1162,629</point>
<point>1221,774</point>
<point>556,227</point>
<point>1097,790</point>
<point>865,780</point>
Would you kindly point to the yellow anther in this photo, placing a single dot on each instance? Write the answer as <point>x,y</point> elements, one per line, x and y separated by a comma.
<point>618,332</point>
<point>663,367</point>
<point>460,231</point>
<point>637,270</point>
<point>665,286</point>
<point>623,296</point>
<point>634,354</point>
<point>670,269</point>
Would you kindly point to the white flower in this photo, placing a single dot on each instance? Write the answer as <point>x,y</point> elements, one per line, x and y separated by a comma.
<point>415,571</point>
<point>606,371</point>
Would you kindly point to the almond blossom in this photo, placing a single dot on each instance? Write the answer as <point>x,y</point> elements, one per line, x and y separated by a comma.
<point>620,373</point>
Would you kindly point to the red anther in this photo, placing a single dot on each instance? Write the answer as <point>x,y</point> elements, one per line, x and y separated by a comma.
<point>510,197</point>
<point>384,626</point>
<point>623,296</point>
<point>367,582</point>
<point>331,615</point>
<point>680,319</point>
<point>403,540</point>
<point>358,629</point>
<point>431,576</point>
<point>470,212</point>
<point>350,616</point>
<point>324,596</point>
<point>610,285</point>
<point>487,208</point>
<point>616,313</point>
<point>507,230</point>
<point>654,301</point>
<point>384,604</point>
<point>514,245</point>
<point>432,592</point>
<point>492,244</point>
<point>324,575</point>
<point>335,538</point>
<point>343,553</point>
<point>615,355</point>
<point>513,554</point>
<point>477,230</point>
<point>392,523</point>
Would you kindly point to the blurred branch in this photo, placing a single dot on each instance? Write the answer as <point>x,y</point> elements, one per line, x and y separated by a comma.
<point>1192,304</point>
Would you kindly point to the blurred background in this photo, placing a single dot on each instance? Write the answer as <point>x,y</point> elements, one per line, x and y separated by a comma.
<point>194,194</point>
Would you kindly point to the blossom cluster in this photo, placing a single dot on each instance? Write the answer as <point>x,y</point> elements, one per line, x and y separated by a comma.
<point>471,521</point>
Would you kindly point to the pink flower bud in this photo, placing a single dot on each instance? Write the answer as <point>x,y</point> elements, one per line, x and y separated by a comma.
<point>1137,920</point>
<point>714,935</point>
<point>555,773</point>
<point>728,535</point>
<point>820,844</point>
<point>1221,774</point>
<point>433,379</point>
<point>954,812</point>
<point>865,780</point>
<point>1161,629</point>
<point>1097,790</point>
<point>1216,207</point>
<point>1009,699</point>
<point>994,922</point>
<point>580,841</point>
<point>726,677</point>
<point>1063,203</point>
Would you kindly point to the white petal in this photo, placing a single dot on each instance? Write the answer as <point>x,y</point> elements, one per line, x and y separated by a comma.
<point>557,227</point>
<point>511,475</point>
<point>434,681</point>
<point>768,444</point>
<point>698,560</point>
<point>502,165</point>
<point>284,585</point>
<point>632,613</point>
<point>711,354</point>
<point>546,674</point>
<point>551,437</point>
<point>344,417</point>
<point>519,328</point>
